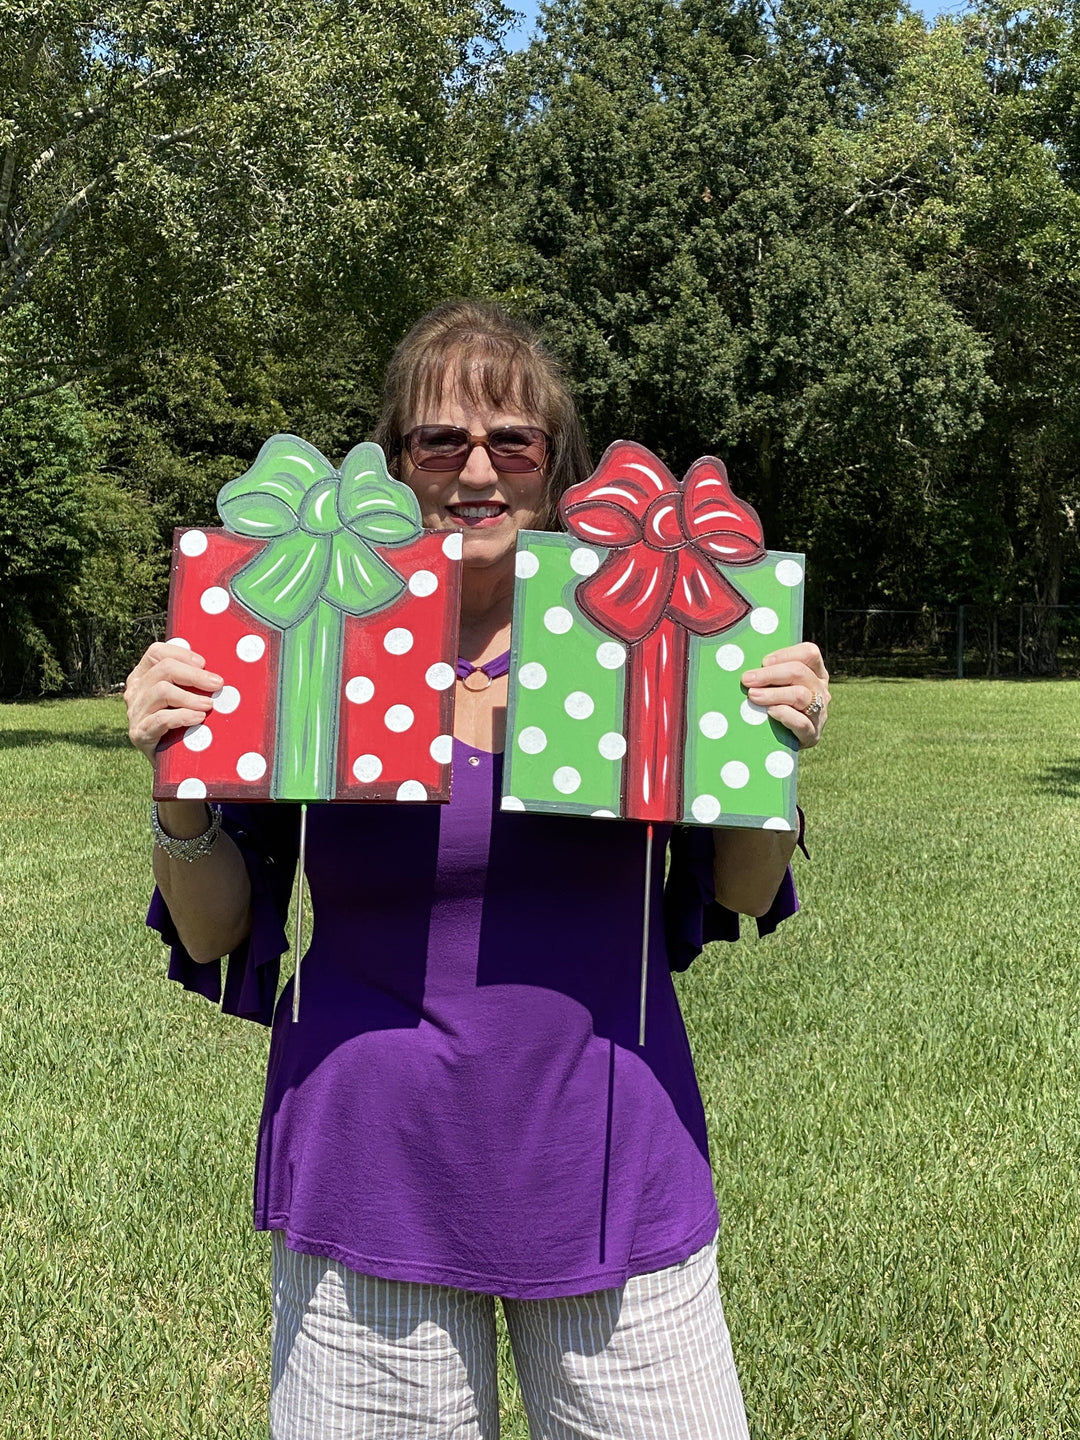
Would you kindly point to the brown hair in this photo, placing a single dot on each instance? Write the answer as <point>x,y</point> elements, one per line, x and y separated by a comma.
<point>494,359</point>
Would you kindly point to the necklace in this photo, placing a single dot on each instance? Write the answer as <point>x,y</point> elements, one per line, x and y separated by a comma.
<point>479,677</point>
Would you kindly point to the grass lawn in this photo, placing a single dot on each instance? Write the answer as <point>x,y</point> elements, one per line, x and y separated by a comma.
<point>890,1083</point>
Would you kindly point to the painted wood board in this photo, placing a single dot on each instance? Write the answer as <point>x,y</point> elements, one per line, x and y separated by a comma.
<point>335,628</point>
<point>643,717</point>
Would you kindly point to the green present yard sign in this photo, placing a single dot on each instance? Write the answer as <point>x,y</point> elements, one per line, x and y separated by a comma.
<point>630,635</point>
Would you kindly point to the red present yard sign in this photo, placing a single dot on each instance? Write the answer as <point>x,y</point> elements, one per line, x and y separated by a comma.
<point>333,618</point>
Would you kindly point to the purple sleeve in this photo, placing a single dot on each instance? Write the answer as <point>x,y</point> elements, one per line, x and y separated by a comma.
<point>267,839</point>
<point>692,914</point>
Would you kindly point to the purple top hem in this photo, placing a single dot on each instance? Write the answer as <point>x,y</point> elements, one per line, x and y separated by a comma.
<point>507,1287</point>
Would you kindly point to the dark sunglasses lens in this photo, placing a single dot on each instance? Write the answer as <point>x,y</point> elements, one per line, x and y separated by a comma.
<point>517,447</point>
<point>438,447</point>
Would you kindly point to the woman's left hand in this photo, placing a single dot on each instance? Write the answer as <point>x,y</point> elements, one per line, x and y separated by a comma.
<point>793,685</point>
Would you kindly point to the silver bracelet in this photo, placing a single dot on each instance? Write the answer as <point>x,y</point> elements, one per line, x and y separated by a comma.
<point>194,848</point>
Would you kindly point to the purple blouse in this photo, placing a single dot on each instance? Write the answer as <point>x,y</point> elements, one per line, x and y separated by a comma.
<point>463,1100</point>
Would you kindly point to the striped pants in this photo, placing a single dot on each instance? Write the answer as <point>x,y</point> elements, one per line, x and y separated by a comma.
<point>358,1358</point>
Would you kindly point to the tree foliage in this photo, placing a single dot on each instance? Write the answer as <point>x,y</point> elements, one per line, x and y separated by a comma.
<point>208,174</point>
<point>833,243</point>
<point>676,222</point>
<point>964,169</point>
<point>215,218</point>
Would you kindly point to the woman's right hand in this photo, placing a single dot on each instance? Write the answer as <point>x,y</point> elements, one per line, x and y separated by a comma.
<point>169,688</point>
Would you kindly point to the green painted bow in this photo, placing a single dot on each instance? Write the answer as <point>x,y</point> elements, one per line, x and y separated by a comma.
<point>321,524</point>
<point>317,567</point>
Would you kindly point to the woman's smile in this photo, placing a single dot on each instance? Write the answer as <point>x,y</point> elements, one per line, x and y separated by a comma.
<point>475,513</point>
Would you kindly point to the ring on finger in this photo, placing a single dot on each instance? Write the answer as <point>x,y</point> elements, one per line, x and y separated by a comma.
<point>817,704</point>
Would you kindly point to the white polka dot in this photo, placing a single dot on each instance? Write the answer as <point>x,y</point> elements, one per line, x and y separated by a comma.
<point>193,542</point>
<point>226,699</point>
<point>367,768</point>
<point>251,766</point>
<point>511,802</point>
<point>578,705</point>
<point>250,647</point>
<point>584,562</point>
<point>398,718</point>
<point>566,780</point>
<point>558,620</point>
<point>215,600</point>
<point>735,774</point>
<point>198,737</point>
<point>532,740</point>
<point>411,790</point>
<point>604,815</point>
<point>764,620</point>
<point>451,547</point>
<point>789,572</point>
<point>191,789</point>
<point>398,641</point>
<point>359,690</point>
<point>440,676</point>
<point>777,822</point>
<point>612,746</point>
<point>178,640</point>
<point>753,714</point>
<point>729,657</point>
<point>441,749</point>
<point>526,564</point>
<point>780,763</point>
<point>424,582</point>
<point>611,654</point>
<point>705,809</point>
<point>713,725</point>
<point>533,676</point>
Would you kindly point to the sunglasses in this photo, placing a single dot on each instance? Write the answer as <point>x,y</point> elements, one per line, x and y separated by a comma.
<point>512,449</point>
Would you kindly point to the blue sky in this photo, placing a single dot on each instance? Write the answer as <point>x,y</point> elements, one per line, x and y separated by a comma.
<point>519,36</point>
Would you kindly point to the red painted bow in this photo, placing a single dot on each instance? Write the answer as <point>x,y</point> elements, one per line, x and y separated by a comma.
<point>666,541</point>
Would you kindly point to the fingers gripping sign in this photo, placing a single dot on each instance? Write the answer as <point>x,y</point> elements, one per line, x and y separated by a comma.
<point>170,688</point>
<point>793,686</point>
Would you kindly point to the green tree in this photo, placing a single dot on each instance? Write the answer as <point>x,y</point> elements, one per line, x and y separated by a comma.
<point>222,175</point>
<point>669,221</point>
<point>967,171</point>
<point>46,451</point>
<point>215,219</point>
<point>80,553</point>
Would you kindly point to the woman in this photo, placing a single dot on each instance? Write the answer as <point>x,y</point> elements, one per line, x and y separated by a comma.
<point>463,1111</point>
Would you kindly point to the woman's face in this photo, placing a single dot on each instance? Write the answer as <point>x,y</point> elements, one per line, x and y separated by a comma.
<point>486,506</point>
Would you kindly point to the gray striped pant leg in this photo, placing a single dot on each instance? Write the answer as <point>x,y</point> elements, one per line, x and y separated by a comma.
<point>650,1361</point>
<point>358,1358</point>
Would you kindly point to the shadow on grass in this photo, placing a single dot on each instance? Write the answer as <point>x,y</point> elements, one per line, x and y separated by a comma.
<point>88,739</point>
<point>1061,779</point>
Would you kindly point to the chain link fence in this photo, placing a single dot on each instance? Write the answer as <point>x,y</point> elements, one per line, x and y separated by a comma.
<point>970,640</point>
